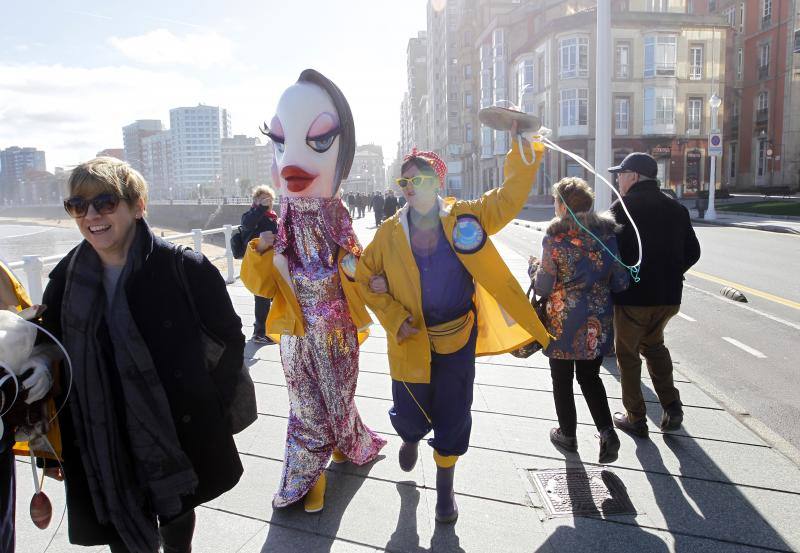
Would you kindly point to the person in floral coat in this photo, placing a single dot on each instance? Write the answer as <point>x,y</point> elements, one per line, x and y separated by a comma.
<point>577,275</point>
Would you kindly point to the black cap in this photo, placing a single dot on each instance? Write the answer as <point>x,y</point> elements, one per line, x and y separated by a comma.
<point>638,162</point>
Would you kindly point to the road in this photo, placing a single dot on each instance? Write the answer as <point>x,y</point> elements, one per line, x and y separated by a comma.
<point>745,354</point>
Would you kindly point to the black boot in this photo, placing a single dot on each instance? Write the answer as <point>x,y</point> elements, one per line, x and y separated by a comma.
<point>446,508</point>
<point>176,535</point>
<point>409,452</point>
<point>609,445</point>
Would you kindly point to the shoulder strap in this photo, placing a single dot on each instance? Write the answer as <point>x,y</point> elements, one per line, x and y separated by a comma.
<point>180,273</point>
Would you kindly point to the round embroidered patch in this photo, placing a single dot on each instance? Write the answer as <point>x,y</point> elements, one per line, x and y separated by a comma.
<point>468,234</point>
<point>349,263</point>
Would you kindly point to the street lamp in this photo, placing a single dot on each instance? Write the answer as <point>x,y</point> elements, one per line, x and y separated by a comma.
<point>714,102</point>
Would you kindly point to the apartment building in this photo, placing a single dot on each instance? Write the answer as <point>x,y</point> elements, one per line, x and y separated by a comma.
<point>132,136</point>
<point>197,134</point>
<point>245,162</point>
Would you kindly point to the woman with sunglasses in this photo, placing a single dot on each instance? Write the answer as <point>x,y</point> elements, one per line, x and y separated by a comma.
<point>145,431</point>
<point>444,295</point>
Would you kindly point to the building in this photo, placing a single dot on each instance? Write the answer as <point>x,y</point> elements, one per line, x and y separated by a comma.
<point>197,134</point>
<point>246,163</point>
<point>416,132</point>
<point>367,174</point>
<point>14,162</point>
<point>39,187</point>
<point>118,153</point>
<point>669,58</point>
<point>132,136</point>
<point>157,165</point>
<point>762,93</point>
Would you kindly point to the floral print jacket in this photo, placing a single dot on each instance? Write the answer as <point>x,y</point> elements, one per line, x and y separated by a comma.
<point>577,275</point>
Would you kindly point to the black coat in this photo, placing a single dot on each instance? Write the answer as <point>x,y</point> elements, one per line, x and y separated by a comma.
<point>196,398</point>
<point>377,203</point>
<point>254,222</point>
<point>668,240</point>
<point>389,206</point>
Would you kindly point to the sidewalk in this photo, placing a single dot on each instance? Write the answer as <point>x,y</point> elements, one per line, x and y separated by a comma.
<point>712,486</point>
<point>752,221</point>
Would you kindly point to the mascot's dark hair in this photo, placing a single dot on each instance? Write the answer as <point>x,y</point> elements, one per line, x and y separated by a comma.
<point>347,133</point>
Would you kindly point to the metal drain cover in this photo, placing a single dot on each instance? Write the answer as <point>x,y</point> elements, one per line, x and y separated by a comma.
<point>577,491</point>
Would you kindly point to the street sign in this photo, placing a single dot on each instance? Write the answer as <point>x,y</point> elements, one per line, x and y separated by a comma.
<point>715,144</point>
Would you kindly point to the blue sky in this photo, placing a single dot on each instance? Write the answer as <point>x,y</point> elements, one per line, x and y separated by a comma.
<point>73,73</point>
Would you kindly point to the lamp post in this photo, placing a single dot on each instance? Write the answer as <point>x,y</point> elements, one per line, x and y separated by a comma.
<point>714,102</point>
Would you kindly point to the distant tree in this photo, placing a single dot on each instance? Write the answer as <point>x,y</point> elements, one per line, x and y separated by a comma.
<point>244,186</point>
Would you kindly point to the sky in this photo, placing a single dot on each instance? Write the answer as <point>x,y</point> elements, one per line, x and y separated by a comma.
<point>73,73</point>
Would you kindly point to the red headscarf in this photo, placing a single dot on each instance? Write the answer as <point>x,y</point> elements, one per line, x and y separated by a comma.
<point>436,163</point>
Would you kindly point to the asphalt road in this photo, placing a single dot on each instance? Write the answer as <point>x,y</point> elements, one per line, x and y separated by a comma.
<point>745,354</point>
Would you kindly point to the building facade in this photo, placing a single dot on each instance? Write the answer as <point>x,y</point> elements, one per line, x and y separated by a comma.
<point>157,165</point>
<point>367,174</point>
<point>197,134</point>
<point>132,136</point>
<point>246,163</point>
<point>762,93</point>
<point>14,163</point>
<point>118,153</point>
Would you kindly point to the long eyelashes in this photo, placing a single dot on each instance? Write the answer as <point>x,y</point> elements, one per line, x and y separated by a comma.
<point>277,140</point>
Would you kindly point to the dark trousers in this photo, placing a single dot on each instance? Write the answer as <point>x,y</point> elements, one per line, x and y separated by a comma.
<point>588,375</point>
<point>262,310</point>
<point>176,535</point>
<point>8,496</point>
<point>639,330</point>
<point>447,401</point>
<point>378,216</point>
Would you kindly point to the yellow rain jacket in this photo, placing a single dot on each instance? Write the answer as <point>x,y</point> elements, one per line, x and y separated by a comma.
<point>506,319</point>
<point>267,275</point>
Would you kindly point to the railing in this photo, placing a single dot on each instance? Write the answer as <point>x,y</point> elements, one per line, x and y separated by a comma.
<point>763,72</point>
<point>762,116</point>
<point>34,265</point>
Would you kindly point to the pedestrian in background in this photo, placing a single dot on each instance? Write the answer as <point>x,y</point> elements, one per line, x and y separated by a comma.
<point>362,203</point>
<point>145,431</point>
<point>389,205</point>
<point>577,275</point>
<point>261,218</point>
<point>377,207</point>
<point>641,312</point>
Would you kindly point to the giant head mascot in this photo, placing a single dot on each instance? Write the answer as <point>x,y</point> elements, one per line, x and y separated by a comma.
<point>308,270</point>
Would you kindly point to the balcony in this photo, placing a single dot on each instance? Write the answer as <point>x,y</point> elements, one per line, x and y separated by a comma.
<point>766,21</point>
<point>762,117</point>
<point>763,72</point>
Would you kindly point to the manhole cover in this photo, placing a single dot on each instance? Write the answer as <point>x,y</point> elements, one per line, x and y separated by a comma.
<point>577,491</point>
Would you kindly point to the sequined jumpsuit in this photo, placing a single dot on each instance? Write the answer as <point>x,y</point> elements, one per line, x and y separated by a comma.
<point>321,367</point>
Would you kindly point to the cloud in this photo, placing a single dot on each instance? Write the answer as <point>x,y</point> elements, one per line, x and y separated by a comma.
<point>161,46</point>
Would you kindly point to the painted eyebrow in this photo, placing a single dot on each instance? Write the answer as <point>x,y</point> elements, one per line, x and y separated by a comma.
<point>333,119</point>
<point>333,132</point>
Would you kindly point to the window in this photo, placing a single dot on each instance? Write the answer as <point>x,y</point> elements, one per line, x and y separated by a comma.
<point>574,169</point>
<point>761,167</point>
<point>712,6</point>
<point>468,100</point>
<point>766,10</point>
<point>540,73</point>
<point>543,113</point>
<point>622,60</point>
<point>622,115</point>
<point>574,57</point>
<point>525,76</point>
<point>741,17</point>
<point>657,5</point>
<point>694,112</point>
<point>763,61</point>
<point>696,63</point>
<point>797,41</point>
<point>468,71</point>
<point>739,64</point>
<point>732,160</point>
<point>659,110</point>
<point>659,55</point>
<point>730,15</point>
<point>468,133</point>
<point>574,107</point>
<point>486,142</point>
<point>763,101</point>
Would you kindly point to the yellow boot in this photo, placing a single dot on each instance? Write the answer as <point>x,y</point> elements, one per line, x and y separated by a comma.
<point>338,457</point>
<point>315,498</point>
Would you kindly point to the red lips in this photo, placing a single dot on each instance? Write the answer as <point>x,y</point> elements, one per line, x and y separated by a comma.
<point>297,179</point>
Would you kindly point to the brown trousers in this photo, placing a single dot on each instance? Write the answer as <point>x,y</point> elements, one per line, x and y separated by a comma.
<point>640,330</point>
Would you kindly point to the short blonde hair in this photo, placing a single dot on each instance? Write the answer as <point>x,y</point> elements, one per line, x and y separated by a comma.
<point>263,189</point>
<point>575,193</point>
<point>107,175</point>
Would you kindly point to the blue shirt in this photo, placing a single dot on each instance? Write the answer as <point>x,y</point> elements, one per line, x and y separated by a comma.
<point>447,287</point>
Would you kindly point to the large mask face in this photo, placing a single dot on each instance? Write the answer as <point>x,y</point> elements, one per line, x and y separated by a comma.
<point>305,134</point>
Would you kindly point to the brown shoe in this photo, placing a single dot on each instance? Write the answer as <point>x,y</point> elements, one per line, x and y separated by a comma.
<point>637,428</point>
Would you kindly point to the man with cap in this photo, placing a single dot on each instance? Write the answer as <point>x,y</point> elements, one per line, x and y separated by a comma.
<point>444,295</point>
<point>641,312</point>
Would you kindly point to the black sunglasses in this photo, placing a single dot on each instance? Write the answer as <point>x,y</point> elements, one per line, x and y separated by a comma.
<point>104,204</point>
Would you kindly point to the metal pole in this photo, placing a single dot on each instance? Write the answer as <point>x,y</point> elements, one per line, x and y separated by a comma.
<point>602,125</point>
<point>198,240</point>
<point>711,213</point>
<point>229,254</point>
<point>33,271</point>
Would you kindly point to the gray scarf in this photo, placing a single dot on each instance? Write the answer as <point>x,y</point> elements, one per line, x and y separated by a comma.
<point>135,467</point>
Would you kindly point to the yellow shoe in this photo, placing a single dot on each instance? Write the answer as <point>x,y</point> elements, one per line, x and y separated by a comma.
<point>338,457</point>
<point>315,498</point>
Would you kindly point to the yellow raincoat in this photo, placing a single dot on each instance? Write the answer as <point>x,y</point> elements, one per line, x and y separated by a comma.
<point>506,319</point>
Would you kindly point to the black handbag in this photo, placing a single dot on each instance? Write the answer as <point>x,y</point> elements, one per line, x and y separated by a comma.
<point>238,243</point>
<point>242,411</point>
<point>540,306</point>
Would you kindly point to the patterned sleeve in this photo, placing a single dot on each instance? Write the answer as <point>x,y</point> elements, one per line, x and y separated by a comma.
<point>545,277</point>
<point>620,277</point>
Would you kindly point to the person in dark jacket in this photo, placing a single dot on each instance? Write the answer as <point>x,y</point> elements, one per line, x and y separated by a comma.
<point>577,276</point>
<point>260,218</point>
<point>389,205</point>
<point>362,204</point>
<point>641,313</point>
<point>377,207</point>
<point>145,429</point>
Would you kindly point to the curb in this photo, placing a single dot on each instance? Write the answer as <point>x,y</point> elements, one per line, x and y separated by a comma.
<point>751,226</point>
